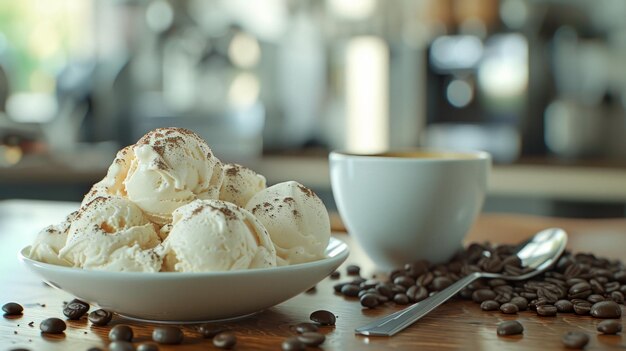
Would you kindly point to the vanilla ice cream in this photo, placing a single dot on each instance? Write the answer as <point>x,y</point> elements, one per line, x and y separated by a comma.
<point>171,167</point>
<point>113,234</point>
<point>214,235</point>
<point>296,220</point>
<point>50,240</point>
<point>113,183</point>
<point>240,184</point>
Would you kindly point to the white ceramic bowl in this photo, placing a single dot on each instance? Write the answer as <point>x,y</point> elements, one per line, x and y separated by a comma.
<point>189,297</point>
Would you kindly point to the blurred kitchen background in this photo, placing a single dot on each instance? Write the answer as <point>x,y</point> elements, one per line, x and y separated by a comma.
<point>276,84</point>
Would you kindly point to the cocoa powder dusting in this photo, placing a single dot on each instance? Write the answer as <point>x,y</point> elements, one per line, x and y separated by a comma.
<point>232,171</point>
<point>308,192</point>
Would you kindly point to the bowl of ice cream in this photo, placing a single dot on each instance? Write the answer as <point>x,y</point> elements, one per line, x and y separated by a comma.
<point>177,297</point>
<point>170,224</point>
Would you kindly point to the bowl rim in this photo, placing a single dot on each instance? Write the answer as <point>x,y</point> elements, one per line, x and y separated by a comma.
<point>336,251</point>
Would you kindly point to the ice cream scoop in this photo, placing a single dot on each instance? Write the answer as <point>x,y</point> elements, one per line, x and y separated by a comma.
<point>240,184</point>
<point>214,235</point>
<point>171,167</point>
<point>112,233</point>
<point>296,220</point>
<point>113,183</point>
<point>50,240</point>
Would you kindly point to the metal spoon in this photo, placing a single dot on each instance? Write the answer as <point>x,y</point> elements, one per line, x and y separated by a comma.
<point>538,253</point>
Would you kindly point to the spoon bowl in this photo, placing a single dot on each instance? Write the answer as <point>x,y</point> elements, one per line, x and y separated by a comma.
<point>536,255</point>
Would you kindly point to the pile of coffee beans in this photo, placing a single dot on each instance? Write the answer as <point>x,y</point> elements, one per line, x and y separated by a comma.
<point>579,283</point>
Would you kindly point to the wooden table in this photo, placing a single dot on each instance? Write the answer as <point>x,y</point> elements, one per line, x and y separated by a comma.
<point>457,325</point>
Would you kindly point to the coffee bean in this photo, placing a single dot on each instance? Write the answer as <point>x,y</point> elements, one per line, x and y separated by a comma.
<point>305,327</point>
<point>209,331</point>
<point>52,326</point>
<point>575,340</point>
<point>312,338</point>
<point>385,290</point>
<point>612,286</point>
<point>489,305</point>
<point>121,332</point>
<point>401,299</point>
<point>425,279</point>
<point>335,275</point>
<point>546,310</point>
<point>606,309</point>
<point>147,346</point>
<point>353,269</point>
<point>405,281</point>
<point>337,287</point>
<point>520,302</point>
<point>167,335</point>
<point>610,326</point>
<point>12,309</point>
<point>350,290</point>
<point>369,300</point>
<point>582,310</point>
<point>496,282</point>
<point>323,317</point>
<point>225,340</point>
<point>509,308</point>
<point>417,293</point>
<point>580,291</point>
<point>100,317</point>
<point>75,309</point>
<point>441,283</point>
<point>564,306</point>
<point>510,328</point>
<point>481,295</point>
<point>593,298</point>
<point>293,344</point>
<point>120,345</point>
<point>95,348</point>
<point>617,297</point>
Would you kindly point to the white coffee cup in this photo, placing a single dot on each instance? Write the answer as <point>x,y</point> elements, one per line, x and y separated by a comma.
<point>409,205</point>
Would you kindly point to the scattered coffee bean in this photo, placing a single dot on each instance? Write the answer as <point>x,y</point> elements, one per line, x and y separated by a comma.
<point>520,302</point>
<point>120,345</point>
<point>610,326</point>
<point>509,308</point>
<point>312,338</point>
<point>75,309</point>
<point>167,335</point>
<point>335,275</point>
<point>121,332</point>
<point>209,331</point>
<point>305,327</point>
<point>147,346</point>
<point>404,281</point>
<point>52,325</point>
<point>606,309</point>
<point>12,309</point>
<point>510,328</point>
<point>489,305</point>
<point>546,310</point>
<point>564,306</point>
<point>323,317</point>
<point>481,295</point>
<point>293,344</point>
<point>95,348</point>
<point>353,269</point>
<point>225,340</point>
<point>369,300</point>
<point>350,290</point>
<point>575,340</point>
<point>100,317</point>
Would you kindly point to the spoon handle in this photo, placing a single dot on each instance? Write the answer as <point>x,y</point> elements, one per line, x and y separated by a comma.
<point>396,322</point>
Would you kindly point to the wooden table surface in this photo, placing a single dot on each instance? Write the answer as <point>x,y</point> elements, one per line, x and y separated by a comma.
<point>457,325</point>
